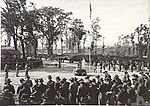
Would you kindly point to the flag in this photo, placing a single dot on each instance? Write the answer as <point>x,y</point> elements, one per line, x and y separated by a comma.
<point>90,8</point>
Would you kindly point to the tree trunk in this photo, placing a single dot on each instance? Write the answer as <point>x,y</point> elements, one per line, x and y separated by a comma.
<point>23,50</point>
<point>50,47</point>
<point>79,49</point>
<point>15,42</point>
<point>35,50</point>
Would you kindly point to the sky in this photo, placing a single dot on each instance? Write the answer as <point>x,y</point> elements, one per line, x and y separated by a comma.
<point>116,16</point>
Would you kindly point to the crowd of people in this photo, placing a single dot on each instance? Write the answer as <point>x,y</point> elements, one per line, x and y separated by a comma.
<point>88,90</point>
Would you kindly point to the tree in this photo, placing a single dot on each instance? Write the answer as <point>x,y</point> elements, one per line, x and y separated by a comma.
<point>51,21</point>
<point>13,20</point>
<point>142,32</point>
<point>78,30</point>
<point>95,33</point>
<point>31,27</point>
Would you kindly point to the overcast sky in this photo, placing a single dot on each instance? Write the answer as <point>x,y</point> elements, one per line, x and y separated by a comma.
<point>117,16</point>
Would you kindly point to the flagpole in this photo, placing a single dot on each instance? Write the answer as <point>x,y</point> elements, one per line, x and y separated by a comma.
<point>148,46</point>
<point>90,35</point>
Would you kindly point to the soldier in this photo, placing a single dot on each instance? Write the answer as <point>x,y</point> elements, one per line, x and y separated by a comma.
<point>57,83</point>
<point>142,90</point>
<point>29,81</point>
<point>17,69</point>
<point>50,81</point>
<point>7,98</point>
<point>36,85</point>
<point>102,89</point>
<point>82,93</point>
<point>93,92</point>
<point>6,70</point>
<point>57,87</point>
<point>26,70</point>
<point>51,94</point>
<point>97,80</point>
<point>122,96</point>
<point>73,87</point>
<point>9,86</point>
<point>21,85</point>
<point>42,87</point>
<point>24,95</point>
<point>117,80</point>
<point>131,93</point>
<point>64,80</point>
<point>64,92</point>
<point>135,81</point>
<point>36,97</point>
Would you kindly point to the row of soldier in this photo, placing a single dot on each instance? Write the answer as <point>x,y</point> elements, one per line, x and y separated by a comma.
<point>119,65</point>
<point>96,90</point>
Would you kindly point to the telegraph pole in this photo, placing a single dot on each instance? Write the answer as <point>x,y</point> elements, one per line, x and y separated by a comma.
<point>148,46</point>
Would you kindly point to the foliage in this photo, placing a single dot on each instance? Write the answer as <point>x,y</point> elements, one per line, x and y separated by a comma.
<point>95,32</point>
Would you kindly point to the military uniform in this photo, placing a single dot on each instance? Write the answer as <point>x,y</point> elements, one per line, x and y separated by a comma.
<point>29,81</point>
<point>36,97</point>
<point>51,94</point>
<point>26,70</point>
<point>122,98</point>
<point>35,86</point>
<point>9,86</point>
<point>83,94</point>
<point>142,91</point>
<point>103,89</point>
<point>6,70</point>
<point>7,98</point>
<point>24,95</point>
<point>17,69</point>
<point>42,88</point>
<point>73,92</point>
<point>93,92</point>
<point>64,93</point>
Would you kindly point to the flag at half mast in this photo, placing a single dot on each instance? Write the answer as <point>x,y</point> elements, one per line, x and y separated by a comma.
<point>90,9</point>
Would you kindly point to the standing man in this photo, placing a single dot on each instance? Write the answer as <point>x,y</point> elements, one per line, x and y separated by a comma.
<point>26,70</point>
<point>83,63</point>
<point>17,69</point>
<point>6,71</point>
<point>9,86</point>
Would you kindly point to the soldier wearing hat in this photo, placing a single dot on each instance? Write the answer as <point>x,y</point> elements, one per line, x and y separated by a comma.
<point>64,92</point>
<point>118,80</point>
<point>135,82</point>
<point>82,93</point>
<point>142,90</point>
<point>122,96</point>
<point>131,93</point>
<point>9,86</point>
<point>42,87</point>
<point>102,89</point>
<point>93,92</point>
<point>29,81</point>
<point>36,97</point>
<point>6,70</point>
<point>65,82</point>
<point>36,85</point>
<point>51,94</point>
<point>17,69</point>
<point>7,98</point>
<point>24,95</point>
<point>21,85</point>
<point>73,87</point>
<point>26,70</point>
<point>50,81</point>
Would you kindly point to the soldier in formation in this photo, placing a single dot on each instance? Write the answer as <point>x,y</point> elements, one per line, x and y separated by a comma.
<point>90,91</point>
